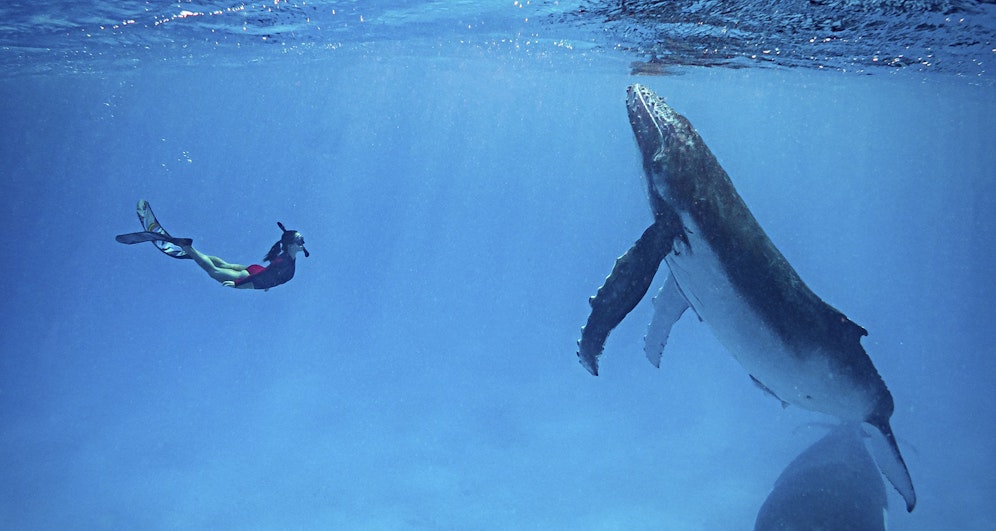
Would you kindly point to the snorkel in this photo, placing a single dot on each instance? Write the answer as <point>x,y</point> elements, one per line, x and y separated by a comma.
<point>292,236</point>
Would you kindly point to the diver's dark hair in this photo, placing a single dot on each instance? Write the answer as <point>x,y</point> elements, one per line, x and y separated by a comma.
<point>274,252</point>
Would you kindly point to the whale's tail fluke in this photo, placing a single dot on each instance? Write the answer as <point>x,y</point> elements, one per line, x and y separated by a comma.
<point>883,447</point>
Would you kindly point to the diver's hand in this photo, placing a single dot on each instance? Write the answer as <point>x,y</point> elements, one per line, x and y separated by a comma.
<point>228,284</point>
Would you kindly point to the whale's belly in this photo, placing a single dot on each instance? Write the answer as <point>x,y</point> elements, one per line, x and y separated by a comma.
<point>804,376</point>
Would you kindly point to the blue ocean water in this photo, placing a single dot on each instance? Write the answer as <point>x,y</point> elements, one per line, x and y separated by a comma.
<point>462,194</point>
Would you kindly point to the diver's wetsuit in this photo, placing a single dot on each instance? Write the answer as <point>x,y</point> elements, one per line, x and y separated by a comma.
<point>280,270</point>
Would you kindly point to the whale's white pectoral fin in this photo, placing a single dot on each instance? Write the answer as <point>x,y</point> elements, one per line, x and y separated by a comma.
<point>883,448</point>
<point>669,304</point>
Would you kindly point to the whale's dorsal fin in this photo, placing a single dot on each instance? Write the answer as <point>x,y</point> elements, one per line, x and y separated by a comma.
<point>768,391</point>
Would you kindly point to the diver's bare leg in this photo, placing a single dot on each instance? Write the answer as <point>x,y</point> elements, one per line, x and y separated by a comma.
<point>221,264</point>
<point>221,274</point>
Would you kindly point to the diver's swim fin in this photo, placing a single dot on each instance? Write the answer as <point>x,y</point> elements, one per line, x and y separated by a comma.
<point>142,237</point>
<point>155,233</point>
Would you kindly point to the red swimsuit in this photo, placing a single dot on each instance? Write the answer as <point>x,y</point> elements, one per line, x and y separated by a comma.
<point>280,270</point>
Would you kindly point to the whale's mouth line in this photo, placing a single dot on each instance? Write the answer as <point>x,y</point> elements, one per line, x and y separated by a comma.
<point>653,126</point>
<point>646,112</point>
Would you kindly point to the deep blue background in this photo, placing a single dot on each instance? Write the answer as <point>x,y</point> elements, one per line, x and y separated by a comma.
<point>420,369</point>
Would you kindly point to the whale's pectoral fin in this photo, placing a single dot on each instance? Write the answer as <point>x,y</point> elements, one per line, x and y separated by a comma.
<point>624,287</point>
<point>669,304</point>
<point>883,447</point>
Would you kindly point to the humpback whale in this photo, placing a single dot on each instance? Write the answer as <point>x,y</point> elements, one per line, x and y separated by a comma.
<point>724,267</point>
<point>833,484</point>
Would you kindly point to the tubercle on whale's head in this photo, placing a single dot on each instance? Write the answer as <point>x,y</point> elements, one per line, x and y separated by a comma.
<point>655,126</point>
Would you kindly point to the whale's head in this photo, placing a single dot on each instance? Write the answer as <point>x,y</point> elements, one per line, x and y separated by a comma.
<point>667,143</point>
<point>651,118</point>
